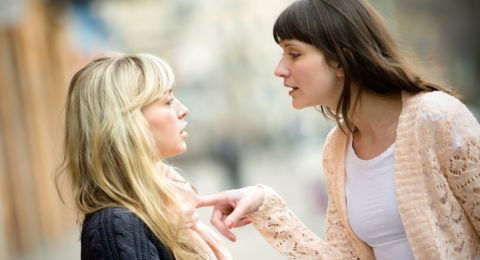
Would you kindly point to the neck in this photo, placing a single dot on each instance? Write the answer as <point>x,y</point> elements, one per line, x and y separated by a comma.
<point>376,116</point>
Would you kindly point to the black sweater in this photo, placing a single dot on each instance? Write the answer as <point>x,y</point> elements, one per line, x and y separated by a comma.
<point>116,233</point>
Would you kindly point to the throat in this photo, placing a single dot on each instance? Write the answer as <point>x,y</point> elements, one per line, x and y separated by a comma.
<point>369,147</point>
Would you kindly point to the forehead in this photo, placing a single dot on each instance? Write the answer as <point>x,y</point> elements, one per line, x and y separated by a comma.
<point>291,43</point>
<point>165,94</point>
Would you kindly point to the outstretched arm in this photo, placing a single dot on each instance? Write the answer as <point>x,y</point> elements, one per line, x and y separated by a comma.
<point>288,234</point>
<point>272,218</point>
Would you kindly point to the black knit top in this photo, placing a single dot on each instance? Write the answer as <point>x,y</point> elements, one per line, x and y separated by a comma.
<point>116,233</point>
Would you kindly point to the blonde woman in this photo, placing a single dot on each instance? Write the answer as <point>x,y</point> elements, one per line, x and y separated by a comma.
<point>122,121</point>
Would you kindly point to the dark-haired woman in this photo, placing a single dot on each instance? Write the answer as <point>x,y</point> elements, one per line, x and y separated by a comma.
<point>403,163</point>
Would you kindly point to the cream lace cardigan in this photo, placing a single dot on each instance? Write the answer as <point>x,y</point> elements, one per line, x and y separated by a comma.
<point>437,178</point>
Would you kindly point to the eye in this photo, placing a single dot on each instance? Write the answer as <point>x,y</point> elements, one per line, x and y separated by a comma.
<point>170,101</point>
<point>294,55</point>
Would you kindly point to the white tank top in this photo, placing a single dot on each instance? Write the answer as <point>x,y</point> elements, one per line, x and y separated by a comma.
<point>372,205</point>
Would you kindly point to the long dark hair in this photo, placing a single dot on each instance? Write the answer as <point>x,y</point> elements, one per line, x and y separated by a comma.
<point>351,33</point>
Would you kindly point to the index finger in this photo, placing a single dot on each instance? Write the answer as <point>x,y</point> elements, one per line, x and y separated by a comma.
<point>209,200</point>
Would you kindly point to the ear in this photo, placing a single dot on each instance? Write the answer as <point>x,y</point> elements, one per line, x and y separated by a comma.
<point>339,71</point>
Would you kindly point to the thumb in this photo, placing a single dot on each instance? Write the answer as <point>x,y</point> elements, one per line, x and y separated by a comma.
<point>235,216</point>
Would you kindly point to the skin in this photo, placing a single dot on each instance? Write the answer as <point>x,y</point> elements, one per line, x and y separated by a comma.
<point>375,128</point>
<point>166,119</point>
<point>312,81</point>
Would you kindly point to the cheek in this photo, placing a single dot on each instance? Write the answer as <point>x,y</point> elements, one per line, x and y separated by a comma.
<point>162,126</point>
<point>159,121</point>
<point>325,78</point>
<point>166,132</point>
<point>321,87</point>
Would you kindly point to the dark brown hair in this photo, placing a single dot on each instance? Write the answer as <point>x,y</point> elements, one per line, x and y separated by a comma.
<point>351,33</point>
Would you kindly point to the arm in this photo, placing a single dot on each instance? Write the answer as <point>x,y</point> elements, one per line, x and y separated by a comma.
<point>286,233</point>
<point>290,236</point>
<point>274,220</point>
<point>458,136</point>
<point>116,233</point>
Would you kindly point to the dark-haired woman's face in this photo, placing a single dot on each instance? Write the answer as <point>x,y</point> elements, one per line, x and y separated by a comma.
<point>311,79</point>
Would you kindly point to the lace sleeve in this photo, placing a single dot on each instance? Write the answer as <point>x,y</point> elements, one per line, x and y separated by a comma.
<point>286,233</point>
<point>461,138</point>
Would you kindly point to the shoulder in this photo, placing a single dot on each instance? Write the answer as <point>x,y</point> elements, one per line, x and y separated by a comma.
<point>117,233</point>
<point>113,219</point>
<point>442,116</point>
<point>437,108</point>
<point>438,105</point>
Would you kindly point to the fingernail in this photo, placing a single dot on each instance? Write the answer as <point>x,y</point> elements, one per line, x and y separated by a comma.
<point>229,224</point>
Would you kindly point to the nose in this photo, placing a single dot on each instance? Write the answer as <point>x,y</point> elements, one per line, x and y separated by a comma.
<point>182,110</point>
<point>281,70</point>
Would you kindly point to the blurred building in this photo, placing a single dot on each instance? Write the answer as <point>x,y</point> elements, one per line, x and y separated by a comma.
<point>34,68</point>
<point>446,41</point>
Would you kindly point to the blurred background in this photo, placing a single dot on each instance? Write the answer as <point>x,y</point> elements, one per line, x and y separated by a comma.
<point>243,130</point>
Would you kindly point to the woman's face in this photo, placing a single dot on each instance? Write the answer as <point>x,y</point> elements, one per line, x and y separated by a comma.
<point>311,80</point>
<point>166,118</point>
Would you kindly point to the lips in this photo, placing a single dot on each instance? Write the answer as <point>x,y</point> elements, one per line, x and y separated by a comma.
<point>292,90</point>
<point>183,132</point>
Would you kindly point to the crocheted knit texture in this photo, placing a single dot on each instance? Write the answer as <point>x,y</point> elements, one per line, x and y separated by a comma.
<point>116,233</point>
<point>437,178</point>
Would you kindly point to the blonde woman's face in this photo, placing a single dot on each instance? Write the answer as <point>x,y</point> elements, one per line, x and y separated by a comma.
<point>166,118</point>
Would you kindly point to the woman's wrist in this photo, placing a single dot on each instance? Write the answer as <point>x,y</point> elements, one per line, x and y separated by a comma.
<point>261,196</point>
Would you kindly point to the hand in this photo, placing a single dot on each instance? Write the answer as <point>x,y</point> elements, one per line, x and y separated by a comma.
<point>232,207</point>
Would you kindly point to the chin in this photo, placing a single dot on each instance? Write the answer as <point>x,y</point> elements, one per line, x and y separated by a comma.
<point>297,106</point>
<point>182,150</point>
<point>174,152</point>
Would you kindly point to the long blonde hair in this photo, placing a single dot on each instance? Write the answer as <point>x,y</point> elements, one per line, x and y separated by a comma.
<point>110,154</point>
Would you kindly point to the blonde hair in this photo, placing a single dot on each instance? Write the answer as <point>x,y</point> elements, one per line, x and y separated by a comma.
<point>110,154</point>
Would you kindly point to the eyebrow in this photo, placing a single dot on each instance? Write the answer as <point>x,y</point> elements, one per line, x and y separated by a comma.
<point>166,94</point>
<point>288,44</point>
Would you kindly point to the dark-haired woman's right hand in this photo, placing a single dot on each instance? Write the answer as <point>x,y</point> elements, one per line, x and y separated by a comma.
<point>232,208</point>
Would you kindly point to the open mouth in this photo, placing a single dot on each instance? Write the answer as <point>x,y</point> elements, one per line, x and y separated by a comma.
<point>183,132</point>
<point>292,90</point>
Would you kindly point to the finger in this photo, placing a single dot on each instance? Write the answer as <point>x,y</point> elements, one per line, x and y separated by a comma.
<point>243,222</point>
<point>235,216</point>
<point>217,222</point>
<point>209,200</point>
<point>223,217</point>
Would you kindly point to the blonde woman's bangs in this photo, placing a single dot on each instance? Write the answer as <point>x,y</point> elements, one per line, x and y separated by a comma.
<point>158,79</point>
